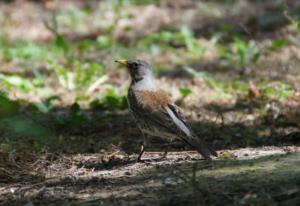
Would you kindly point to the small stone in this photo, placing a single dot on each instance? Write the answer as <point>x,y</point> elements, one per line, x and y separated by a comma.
<point>169,181</point>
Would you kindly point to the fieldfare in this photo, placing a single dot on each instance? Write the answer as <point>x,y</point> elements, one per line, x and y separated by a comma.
<point>154,112</point>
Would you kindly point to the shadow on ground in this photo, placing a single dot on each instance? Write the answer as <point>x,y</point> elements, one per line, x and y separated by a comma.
<point>266,180</point>
<point>64,130</point>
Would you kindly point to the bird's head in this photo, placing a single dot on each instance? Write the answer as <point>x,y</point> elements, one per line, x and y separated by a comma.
<point>138,69</point>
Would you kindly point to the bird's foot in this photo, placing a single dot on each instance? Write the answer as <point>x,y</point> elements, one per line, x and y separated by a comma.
<point>144,160</point>
<point>163,156</point>
<point>152,160</point>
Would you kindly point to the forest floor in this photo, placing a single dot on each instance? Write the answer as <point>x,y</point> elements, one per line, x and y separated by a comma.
<point>248,176</point>
<point>67,138</point>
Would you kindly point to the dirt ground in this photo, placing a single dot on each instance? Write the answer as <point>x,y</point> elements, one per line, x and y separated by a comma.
<point>181,178</point>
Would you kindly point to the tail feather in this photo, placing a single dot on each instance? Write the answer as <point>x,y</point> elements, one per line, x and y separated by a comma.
<point>200,146</point>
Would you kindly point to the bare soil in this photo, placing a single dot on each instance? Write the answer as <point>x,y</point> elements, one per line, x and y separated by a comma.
<point>182,178</point>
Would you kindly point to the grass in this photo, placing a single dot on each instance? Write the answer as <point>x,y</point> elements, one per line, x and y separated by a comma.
<point>69,64</point>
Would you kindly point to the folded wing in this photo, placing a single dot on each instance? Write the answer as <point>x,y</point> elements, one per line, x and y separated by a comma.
<point>167,119</point>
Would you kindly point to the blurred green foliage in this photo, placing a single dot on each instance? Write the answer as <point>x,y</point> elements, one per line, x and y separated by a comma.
<point>21,127</point>
<point>28,51</point>
<point>278,44</point>
<point>78,75</point>
<point>185,91</point>
<point>46,105</point>
<point>240,53</point>
<point>18,82</point>
<point>169,40</point>
<point>8,107</point>
<point>76,115</point>
<point>110,99</point>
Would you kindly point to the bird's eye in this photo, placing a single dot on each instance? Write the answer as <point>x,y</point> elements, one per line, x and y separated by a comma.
<point>135,65</point>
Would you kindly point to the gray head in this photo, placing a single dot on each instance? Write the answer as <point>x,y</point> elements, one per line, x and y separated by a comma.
<point>138,69</point>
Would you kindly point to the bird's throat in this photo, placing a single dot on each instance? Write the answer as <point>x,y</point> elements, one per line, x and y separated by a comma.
<point>144,84</point>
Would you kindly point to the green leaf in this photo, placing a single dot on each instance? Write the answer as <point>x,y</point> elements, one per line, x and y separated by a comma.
<point>8,107</point>
<point>61,42</point>
<point>185,91</point>
<point>76,115</point>
<point>46,105</point>
<point>25,127</point>
<point>17,81</point>
<point>104,42</point>
<point>110,100</point>
<point>42,107</point>
<point>279,43</point>
<point>256,57</point>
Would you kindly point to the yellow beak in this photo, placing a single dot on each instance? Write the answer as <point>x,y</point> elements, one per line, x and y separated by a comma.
<point>123,62</point>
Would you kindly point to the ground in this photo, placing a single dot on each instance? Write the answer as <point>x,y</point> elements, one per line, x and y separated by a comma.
<point>243,177</point>
<point>66,135</point>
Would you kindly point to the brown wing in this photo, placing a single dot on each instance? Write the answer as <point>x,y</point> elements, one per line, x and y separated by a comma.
<point>166,118</point>
<point>152,99</point>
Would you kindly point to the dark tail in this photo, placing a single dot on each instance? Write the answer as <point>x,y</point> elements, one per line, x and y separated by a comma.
<point>200,146</point>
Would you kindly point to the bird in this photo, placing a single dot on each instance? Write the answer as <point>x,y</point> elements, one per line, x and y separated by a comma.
<point>155,113</point>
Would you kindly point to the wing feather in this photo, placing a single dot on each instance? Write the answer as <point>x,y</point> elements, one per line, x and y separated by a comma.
<point>167,119</point>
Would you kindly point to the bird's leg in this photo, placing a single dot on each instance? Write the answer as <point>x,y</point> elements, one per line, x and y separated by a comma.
<point>139,159</point>
<point>142,150</point>
<point>164,155</point>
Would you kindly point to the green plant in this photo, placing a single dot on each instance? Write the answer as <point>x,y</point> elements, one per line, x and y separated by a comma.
<point>241,53</point>
<point>191,42</point>
<point>28,51</point>
<point>79,75</point>
<point>14,81</point>
<point>276,90</point>
<point>294,20</point>
<point>166,40</point>
<point>185,91</point>
<point>278,44</point>
<point>46,106</point>
<point>104,41</point>
<point>111,99</point>
<point>8,107</point>
<point>210,80</point>
<point>22,126</point>
<point>295,24</point>
<point>76,115</point>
